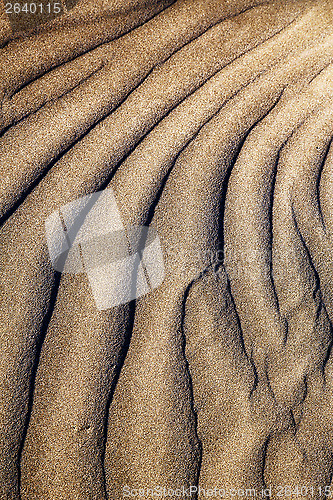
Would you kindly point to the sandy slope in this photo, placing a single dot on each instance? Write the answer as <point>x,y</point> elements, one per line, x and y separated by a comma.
<point>212,122</point>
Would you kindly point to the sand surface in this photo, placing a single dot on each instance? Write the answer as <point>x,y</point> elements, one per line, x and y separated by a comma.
<point>210,121</point>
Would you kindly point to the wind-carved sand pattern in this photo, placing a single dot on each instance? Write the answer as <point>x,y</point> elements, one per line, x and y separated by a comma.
<point>211,122</point>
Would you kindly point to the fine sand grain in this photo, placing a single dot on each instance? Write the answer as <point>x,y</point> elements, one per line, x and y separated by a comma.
<point>211,121</point>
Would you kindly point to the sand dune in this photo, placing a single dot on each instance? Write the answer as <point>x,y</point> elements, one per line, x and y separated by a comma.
<point>211,121</point>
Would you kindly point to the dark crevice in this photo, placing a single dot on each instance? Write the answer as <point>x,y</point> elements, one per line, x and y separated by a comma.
<point>264,459</point>
<point>317,287</point>
<point>321,310</point>
<point>235,154</point>
<point>120,362</point>
<point>306,249</point>
<point>319,72</point>
<point>158,64</point>
<point>4,44</point>
<point>47,168</point>
<point>301,411</point>
<point>140,246</point>
<point>249,357</point>
<point>77,56</point>
<point>35,183</point>
<point>330,473</point>
<point>252,364</point>
<point>55,98</point>
<point>48,72</point>
<point>329,349</point>
<point>322,165</point>
<point>306,390</point>
<point>221,220</point>
<point>43,173</point>
<point>190,381</point>
<point>294,426</point>
<point>271,236</point>
<point>38,348</point>
<point>26,192</point>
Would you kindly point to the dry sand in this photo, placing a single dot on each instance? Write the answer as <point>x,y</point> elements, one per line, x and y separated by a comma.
<point>211,120</point>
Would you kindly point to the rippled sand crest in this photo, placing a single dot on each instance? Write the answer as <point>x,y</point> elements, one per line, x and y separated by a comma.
<point>210,122</point>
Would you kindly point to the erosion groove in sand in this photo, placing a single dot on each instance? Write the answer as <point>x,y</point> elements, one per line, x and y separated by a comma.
<point>211,121</point>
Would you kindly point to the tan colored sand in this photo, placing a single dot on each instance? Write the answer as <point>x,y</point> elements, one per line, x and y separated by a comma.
<point>212,121</point>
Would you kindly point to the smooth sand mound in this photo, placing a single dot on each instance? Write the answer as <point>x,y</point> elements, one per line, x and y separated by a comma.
<point>212,122</point>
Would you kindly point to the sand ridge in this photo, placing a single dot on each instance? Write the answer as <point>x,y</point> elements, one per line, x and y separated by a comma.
<point>211,121</point>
